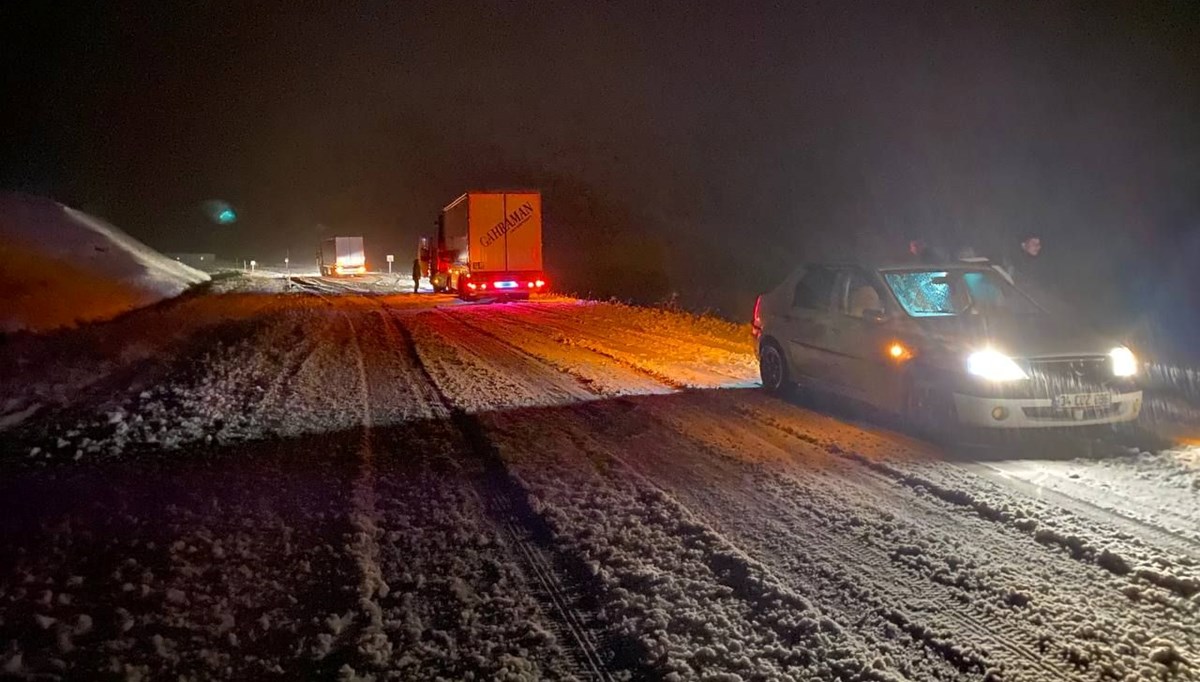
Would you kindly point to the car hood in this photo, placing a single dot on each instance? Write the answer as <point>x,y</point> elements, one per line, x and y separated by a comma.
<point>1019,336</point>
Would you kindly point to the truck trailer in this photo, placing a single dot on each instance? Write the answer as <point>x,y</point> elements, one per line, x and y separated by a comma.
<point>489,244</point>
<point>342,257</point>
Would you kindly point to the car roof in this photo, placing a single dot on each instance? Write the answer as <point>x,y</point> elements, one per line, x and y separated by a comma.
<point>892,267</point>
<point>955,265</point>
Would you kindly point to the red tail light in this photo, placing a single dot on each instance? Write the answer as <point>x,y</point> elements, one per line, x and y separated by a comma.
<point>539,283</point>
<point>471,285</point>
<point>756,323</point>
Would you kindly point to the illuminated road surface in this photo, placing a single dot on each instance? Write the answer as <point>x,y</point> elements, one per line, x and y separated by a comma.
<point>324,482</point>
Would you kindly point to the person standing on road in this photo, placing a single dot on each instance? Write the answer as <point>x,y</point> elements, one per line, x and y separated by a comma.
<point>416,273</point>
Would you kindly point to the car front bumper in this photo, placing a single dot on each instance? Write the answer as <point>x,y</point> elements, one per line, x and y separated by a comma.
<point>1036,413</point>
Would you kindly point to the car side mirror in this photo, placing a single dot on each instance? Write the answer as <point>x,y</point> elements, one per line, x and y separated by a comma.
<point>874,315</point>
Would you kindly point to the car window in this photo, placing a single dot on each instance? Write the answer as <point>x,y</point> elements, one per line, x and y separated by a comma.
<point>937,293</point>
<point>859,295</point>
<point>815,289</point>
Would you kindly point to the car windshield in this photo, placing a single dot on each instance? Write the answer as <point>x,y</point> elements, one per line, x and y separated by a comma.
<point>941,293</point>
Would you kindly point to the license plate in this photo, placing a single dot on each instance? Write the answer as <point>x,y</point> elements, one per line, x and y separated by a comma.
<point>506,285</point>
<point>1084,400</point>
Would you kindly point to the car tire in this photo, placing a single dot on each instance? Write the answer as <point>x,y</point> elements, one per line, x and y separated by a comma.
<point>773,369</point>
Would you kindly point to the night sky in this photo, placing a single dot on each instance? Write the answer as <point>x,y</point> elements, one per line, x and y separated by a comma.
<point>696,147</point>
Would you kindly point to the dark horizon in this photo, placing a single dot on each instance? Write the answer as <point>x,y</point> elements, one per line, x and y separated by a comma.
<point>715,144</point>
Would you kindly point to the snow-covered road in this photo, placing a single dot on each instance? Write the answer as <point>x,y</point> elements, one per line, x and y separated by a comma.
<point>321,481</point>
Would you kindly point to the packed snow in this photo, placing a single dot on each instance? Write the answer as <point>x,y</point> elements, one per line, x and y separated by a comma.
<point>319,478</point>
<point>63,267</point>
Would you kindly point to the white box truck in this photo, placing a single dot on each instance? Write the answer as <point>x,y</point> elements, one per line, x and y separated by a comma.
<point>342,257</point>
<point>489,244</point>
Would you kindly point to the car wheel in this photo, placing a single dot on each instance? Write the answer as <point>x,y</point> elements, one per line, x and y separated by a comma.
<point>773,369</point>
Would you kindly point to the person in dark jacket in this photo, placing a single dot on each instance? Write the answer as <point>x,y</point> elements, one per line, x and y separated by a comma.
<point>1026,261</point>
<point>1029,270</point>
<point>416,273</point>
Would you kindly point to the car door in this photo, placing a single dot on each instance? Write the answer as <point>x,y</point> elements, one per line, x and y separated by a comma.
<point>807,323</point>
<point>864,363</point>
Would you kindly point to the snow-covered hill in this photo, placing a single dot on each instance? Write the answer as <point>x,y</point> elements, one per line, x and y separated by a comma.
<point>60,267</point>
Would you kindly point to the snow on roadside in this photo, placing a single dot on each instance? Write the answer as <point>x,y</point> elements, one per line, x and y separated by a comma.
<point>1160,489</point>
<point>272,375</point>
<point>62,266</point>
<point>82,368</point>
<point>1139,586</point>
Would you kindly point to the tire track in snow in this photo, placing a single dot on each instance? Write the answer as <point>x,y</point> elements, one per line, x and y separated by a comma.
<point>606,355</point>
<point>560,577</point>
<point>481,374</point>
<point>1081,543</point>
<point>315,287</point>
<point>889,589</point>
<point>627,323</point>
<point>721,567</point>
<point>678,372</point>
<point>704,608</point>
<point>1150,617</point>
<point>768,509</point>
<point>372,641</point>
<point>595,371</point>
<point>492,346</point>
<point>1019,647</point>
<point>1105,538</point>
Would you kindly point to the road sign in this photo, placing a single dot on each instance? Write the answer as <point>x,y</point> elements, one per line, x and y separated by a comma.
<point>390,258</point>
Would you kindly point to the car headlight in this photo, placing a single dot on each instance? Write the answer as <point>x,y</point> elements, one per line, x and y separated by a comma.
<point>1124,362</point>
<point>994,366</point>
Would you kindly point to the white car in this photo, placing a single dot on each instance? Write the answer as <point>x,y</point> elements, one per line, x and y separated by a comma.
<point>942,345</point>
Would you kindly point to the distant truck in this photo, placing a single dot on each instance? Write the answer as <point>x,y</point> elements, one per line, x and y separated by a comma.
<point>489,243</point>
<point>342,257</point>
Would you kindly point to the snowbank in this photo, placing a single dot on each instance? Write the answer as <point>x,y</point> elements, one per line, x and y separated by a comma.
<point>60,267</point>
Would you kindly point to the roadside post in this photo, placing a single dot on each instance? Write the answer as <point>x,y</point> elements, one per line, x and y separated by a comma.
<point>390,258</point>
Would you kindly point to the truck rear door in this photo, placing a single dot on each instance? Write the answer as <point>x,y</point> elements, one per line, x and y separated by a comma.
<point>487,247</point>
<point>524,233</point>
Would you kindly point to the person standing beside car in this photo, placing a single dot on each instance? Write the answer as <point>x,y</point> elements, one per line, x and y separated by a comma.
<point>1026,261</point>
<point>416,275</point>
<point>1028,268</point>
